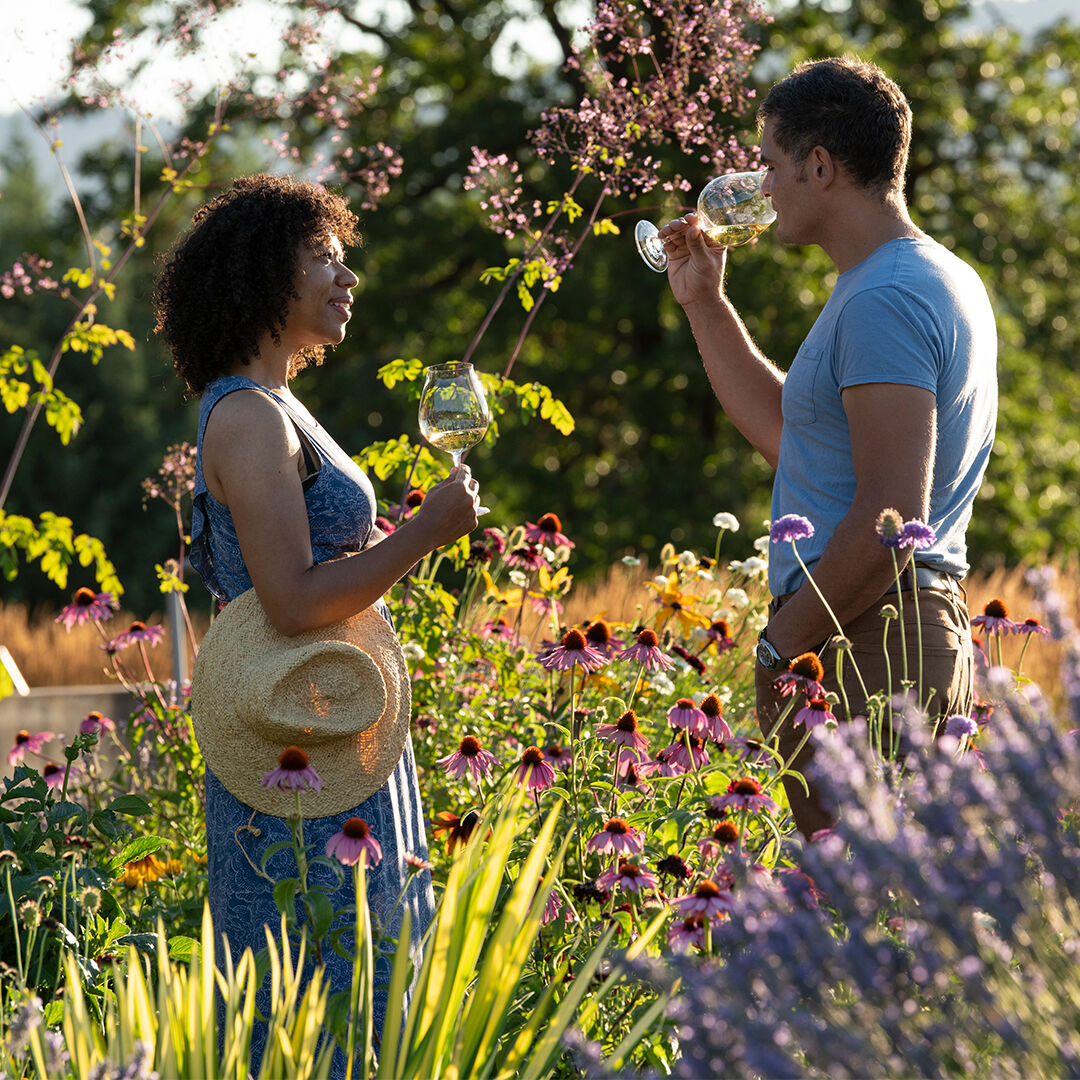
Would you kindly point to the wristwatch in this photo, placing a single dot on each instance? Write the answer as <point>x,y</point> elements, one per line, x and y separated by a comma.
<point>767,656</point>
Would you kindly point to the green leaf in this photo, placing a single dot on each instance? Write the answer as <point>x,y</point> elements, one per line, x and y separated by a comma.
<point>284,897</point>
<point>320,911</point>
<point>130,804</point>
<point>136,849</point>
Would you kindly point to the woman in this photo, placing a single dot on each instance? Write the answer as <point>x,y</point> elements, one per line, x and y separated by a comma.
<point>245,300</point>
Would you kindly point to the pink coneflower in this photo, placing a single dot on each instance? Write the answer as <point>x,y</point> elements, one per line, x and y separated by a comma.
<point>743,794</point>
<point>573,650</point>
<point>618,836</point>
<point>1032,626</point>
<point>815,713</point>
<point>687,934</point>
<point>804,673</point>
<point>94,722</point>
<point>627,875</point>
<point>675,867</point>
<point>689,658</point>
<point>628,774</point>
<point>646,651</point>
<point>499,628</point>
<point>599,636</point>
<point>624,732</point>
<point>293,773</point>
<point>686,716</point>
<point>686,759</point>
<point>415,862</point>
<point>995,618</point>
<point>561,757</point>
<point>353,843</point>
<point>534,772</point>
<point>719,636</point>
<point>385,524</point>
<point>554,909</point>
<point>25,743</point>
<point>87,605</point>
<point>137,631</point>
<point>496,540</point>
<point>708,900</point>
<point>526,557</point>
<point>725,834</point>
<point>53,774</point>
<point>715,726</point>
<point>661,764</point>
<point>548,530</point>
<point>470,757</point>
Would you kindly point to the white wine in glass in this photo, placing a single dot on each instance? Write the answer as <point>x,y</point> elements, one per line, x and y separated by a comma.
<point>731,211</point>
<point>453,412</point>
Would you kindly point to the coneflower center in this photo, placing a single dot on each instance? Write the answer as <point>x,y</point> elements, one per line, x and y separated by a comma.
<point>707,889</point>
<point>996,609</point>
<point>51,769</point>
<point>550,523</point>
<point>356,828</point>
<point>685,703</point>
<point>470,746</point>
<point>727,832</point>
<point>574,639</point>
<point>628,869</point>
<point>648,638</point>
<point>137,626</point>
<point>808,665</point>
<point>818,704</point>
<point>747,786</point>
<point>720,627</point>
<point>21,737</point>
<point>293,758</point>
<point>628,721</point>
<point>617,825</point>
<point>414,498</point>
<point>83,597</point>
<point>712,706</point>
<point>598,632</point>
<point>532,756</point>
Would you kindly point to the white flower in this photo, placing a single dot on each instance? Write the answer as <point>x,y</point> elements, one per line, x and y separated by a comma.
<point>660,580</point>
<point>757,621</point>
<point>519,578</point>
<point>724,520</point>
<point>687,560</point>
<point>762,543</point>
<point>659,682</point>
<point>752,567</point>
<point>704,575</point>
<point>413,651</point>
<point>737,598</point>
<point>698,634</point>
<point>631,560</point>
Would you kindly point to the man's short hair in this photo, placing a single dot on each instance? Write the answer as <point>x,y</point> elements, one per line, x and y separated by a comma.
<point>853,110</point>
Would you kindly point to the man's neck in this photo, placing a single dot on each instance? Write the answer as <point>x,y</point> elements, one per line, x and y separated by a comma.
<point>862,224</point>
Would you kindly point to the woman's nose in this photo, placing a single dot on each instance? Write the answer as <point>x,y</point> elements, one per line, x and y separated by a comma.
<point>346,278</point>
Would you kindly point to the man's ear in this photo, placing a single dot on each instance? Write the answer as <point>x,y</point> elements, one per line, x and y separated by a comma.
<point>821,166</point>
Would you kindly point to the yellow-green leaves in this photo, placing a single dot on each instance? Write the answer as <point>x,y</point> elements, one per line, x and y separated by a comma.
<point>61,413</point>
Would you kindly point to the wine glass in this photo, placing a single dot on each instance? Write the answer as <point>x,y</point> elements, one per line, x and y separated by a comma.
<point>731,210</point>
<point>453,410</point>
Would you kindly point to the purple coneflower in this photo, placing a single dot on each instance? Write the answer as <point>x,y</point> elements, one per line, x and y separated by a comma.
<point>627,875</point>
<point>689,658</point>
<point>995,618</point>
<point>385,524</point>
<point>618,836</point>
<point>353,843</point>
<point>599,636</point>
<point>548,530</point>
<point>675,867</point>
<point>1032,626</point>
<point>815,713</point>
<point>470,757</point>
<point>137,631</point>
<point>686,716</point>
<point>86,605</point>
<point>715,727</point>
<point>573,650</point>
<point>293,773</point>
<point>743,794</point>
<point>646,651</point>
<point>790,527</point>
<point>805,672</point>
<point>94,722</point>
<point>687,934</point>
<point>661,764</point>
<point>553,909</point>
<point>719,636</point>
<point>725,834</point>
<point>496,540</point>
<point>416,862</point>
<point>53,774</point>
<point>534,772</point>
<point>628,774</point>
<point>890,527</point>
<point>708,900</point>
<point>917,534</point>
<point>498,628</point>
<point>624,732</point>
<point>526,557</point>
<point>561,757</point>
<point>686,759</point>
<point>26,743</point>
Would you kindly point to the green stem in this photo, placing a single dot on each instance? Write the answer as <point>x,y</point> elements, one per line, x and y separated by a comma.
<point>14,922</point>
<point>900,610</point>
<point>918,628</point>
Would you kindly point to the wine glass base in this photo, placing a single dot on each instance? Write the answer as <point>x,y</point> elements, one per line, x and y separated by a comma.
<point>650,247</point>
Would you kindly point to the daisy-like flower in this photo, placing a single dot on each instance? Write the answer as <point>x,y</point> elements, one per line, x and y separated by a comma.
<point>618,836</point>
<point>695,757</point>
<point>743,794</point>
<point>353,843</point>
<point>627,875</point>
<point>890,527</point>
<point>561,757</point>
<point>995,618</point>
<point>385,525</point>
<point>469,757</point>
<point>687,934</point>
<point>526,557</point>
<point>624,732</point>
<point>718,635</point>
<point>87,605</point>
<point>599,636</point>
<point>726,521</point>
<point>661,764</point>
<point>708,900</point>
<point>293,773</point>
<point>674,604</point>
<point>458,829</point>
<point>805,672</point>
<point>137,631</point>
<point>646,650</point>
<point>53,774</point>
<point>815,713</point>
<point>675,867</point>
<point>715,727</point>
<point>628,775</point>
<point>499,628</point>
<point>534,772</point>
<point>961,727</point>
<point>553,909</point>
<point>789,528</point>
<point>917,534</point>
<point>496,540</point>
<point>573,650</point>
<point>415,862</point>
<point>548,530</point>
<point>1032,626</point>
<point>686,716</point>
<point>725,834</point>
<point>25,743</point>
<point>94,723</point>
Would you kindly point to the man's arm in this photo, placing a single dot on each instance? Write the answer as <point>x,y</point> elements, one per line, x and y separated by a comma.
<point>746,384</point>
<point>893,434</point>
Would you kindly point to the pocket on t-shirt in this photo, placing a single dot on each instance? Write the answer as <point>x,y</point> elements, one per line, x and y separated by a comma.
<point>797,399</point>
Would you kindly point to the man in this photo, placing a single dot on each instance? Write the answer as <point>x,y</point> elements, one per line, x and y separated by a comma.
<point>890,402</point>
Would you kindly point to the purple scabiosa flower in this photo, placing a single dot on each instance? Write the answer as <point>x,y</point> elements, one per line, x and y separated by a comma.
<point>624,732</point>
<point>917,534</point>
<point>743,794</point>
<point>1032,626</point>
<point>708,900</point>
<point>548,530</point>
<point>815,713</point>
<point>353,843</point>
<point>573,650</point>
<point>293,773</point>
<point>25,743</point>
<point>715,727</point>
<point>995,618</point>
<point>696,757</point>
<point>53,774</point>
<point>789,528</point>
<point>94,723</point>
<point>890,527</point>
<point>961,727</point>
<point>534,772</point>
<point>87,605</point>
<point>526,557</point>
<point>137,631</point>
<point>470,757</point>
<point>561,757</point>
<point>627,875</point>
<point>687,934</point>
<point>619,837</point>
<point>805,672</point>
<point>686,716</point>
<point>646,651</point>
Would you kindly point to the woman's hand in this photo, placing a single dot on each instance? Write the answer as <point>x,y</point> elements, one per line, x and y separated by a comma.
<point>448,511</point>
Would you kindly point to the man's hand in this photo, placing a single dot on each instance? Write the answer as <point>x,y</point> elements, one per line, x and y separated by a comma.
<point>695,263</point>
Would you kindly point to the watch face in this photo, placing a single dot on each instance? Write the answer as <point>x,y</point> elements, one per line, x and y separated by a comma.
<point>766,657</point>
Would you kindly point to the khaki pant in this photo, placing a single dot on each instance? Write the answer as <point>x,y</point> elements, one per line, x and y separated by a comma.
<point>947,669</point>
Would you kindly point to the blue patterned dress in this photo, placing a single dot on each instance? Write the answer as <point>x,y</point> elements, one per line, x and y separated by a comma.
<point>341,512</point>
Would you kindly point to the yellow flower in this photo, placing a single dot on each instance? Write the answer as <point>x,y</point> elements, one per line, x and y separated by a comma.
<point>143,871</point>
<point>552,585</point>
<point>509,597</point>
<point>675,604</point>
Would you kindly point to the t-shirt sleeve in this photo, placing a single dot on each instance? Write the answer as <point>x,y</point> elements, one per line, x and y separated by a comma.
<point>886,336</point>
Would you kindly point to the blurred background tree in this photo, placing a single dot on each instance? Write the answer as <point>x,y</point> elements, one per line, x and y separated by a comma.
<point>652,458</point>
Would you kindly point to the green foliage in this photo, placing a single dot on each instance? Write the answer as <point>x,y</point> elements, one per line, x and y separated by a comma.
<point>54,544</point>
<point>61,413</point>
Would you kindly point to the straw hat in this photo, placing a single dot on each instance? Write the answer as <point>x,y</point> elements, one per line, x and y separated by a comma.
<point>341,693</point>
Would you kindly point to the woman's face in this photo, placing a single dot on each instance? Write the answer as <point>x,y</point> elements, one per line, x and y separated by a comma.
<point>324,287</point>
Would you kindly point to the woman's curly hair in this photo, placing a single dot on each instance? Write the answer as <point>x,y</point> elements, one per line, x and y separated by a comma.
<point>229,279</point>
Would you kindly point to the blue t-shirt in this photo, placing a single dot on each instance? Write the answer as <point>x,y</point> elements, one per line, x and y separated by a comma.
<point>910,313</point>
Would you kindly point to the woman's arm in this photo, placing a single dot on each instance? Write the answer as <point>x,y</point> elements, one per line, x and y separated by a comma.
<point>251,456</point>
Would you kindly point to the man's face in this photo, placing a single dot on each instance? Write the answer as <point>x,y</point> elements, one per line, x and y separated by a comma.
<point>787,187</point>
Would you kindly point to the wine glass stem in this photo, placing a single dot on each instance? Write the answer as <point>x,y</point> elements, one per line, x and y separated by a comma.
<point>456,455</point>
